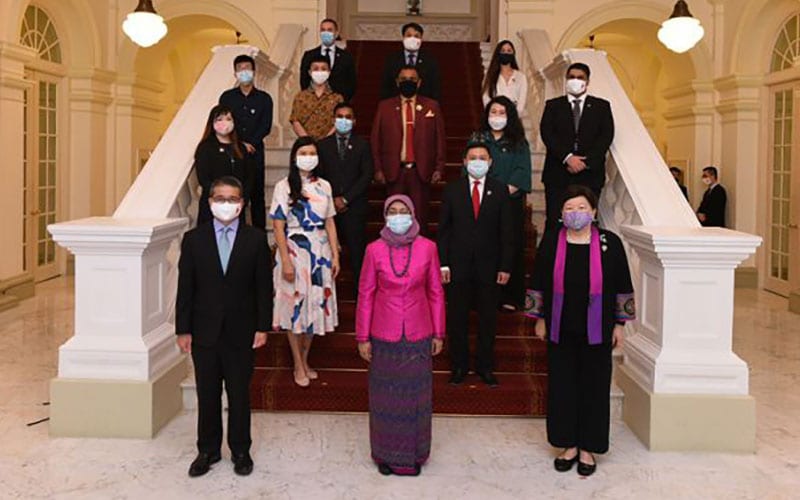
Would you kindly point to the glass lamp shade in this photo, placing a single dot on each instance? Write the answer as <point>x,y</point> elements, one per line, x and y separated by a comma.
<point>144,28</point>
<point>680,34</point>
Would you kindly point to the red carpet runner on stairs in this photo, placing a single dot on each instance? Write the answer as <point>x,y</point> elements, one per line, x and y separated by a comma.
<point>342,384</point>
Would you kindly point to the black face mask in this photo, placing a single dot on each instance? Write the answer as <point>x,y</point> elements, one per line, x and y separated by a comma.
<point>407,88</point>
<point>505,58</point>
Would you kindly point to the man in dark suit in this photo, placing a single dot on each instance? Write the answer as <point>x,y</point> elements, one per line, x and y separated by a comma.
<point>711,212</point>
<point>475,248</point>
<point>343,67</point>
<point>252,116</point>
<point>408,143</point>
<point>346,162</point>
<point>411,55</point>
<point>223,312</point>
<point>677,174</point>
<point>577,130</point>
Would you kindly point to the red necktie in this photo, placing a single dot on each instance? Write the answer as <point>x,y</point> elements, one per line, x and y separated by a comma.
<point>409,132</point>
<point>476,199</point>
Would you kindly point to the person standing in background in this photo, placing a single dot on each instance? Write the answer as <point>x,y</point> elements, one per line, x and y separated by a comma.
<point>711,212</point>
<point>343,67</point>
<point>503,78</point>
<point>252,113</point>
<point>218,154</point>
<point>346,162</point>
<point>504,135</point>
<point>223,312</point>
<point>577,130</point>
<point>412,55</point>
<point>312,108</point>
<point>408,143</point>
<point>677,174</point>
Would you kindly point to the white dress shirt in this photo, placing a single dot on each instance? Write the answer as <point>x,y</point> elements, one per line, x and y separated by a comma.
<point>331,53</point>
<point>516,89</point>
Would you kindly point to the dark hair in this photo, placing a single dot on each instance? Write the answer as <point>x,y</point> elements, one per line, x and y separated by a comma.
<point>416,26</point>
<point>329,20</point>
<point>580,66</point>
<point>227,180</point>
<point>406,67</point>
<point>675,170</point>
<point>514,132</point>
<point>319,58</point>
<point>342,105</point>
<point>712,170</point>
<point>244,58</point>
<point>493,73</point>
<point>575,190</point>
<point>209,133</point>
<point>295,182</point>
<point>474,143</point>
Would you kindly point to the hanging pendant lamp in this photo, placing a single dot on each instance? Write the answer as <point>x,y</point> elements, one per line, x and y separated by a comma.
<point>143,26</point>
<point>681,31</point>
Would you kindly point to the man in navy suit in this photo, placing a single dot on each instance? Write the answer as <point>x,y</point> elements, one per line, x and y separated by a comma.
<point>412,55</point>
<point>577,130</point>
<point>222,313</point>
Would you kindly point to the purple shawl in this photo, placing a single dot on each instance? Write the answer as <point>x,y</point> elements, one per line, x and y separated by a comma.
<point>400,240</point>
<point>595,314</point>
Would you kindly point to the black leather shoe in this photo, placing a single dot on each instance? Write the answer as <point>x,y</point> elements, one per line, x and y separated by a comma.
<point>457,377</point>
<point>385,469</point>
<point>565,464</point>
<point>489,379</point>
<point>203,463</point>
<point>242,464</point>
<point>417,469</point>
<point>586,469</point>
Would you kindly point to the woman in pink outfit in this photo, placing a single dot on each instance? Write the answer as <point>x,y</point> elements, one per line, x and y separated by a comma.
<point>399,327</point>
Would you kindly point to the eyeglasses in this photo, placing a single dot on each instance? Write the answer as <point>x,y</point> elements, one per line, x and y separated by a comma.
<point>220,199</point>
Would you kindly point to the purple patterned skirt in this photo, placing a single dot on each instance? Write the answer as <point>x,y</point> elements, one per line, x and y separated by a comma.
<point>400,403</point>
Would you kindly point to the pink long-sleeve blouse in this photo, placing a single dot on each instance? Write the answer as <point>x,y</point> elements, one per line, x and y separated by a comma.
<point>388,305</point>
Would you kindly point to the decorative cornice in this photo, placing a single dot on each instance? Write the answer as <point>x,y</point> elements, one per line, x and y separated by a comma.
<point>17,52</point>
<point>735,82</point>
<point>112,236</point>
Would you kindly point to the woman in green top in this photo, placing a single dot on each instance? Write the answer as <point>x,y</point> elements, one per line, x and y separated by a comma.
<point>502,130</point>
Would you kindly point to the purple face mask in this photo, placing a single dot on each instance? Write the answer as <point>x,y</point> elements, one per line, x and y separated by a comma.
<point>577,220</point>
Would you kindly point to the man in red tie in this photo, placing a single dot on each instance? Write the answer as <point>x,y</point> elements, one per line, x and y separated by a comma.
<point>408,143</point>
<point>475,249</point>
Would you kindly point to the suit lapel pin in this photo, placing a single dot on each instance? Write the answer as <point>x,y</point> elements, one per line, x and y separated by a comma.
<point>221,150</point>
<point>488,193</point>
<point>349,146</point>
<point>419,107</point>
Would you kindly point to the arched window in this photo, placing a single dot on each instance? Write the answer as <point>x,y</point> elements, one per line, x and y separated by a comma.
<point>40,140</point>
<point>38,33</point>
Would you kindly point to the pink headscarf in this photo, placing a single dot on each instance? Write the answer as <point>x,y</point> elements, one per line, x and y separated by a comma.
<point>399,240</point>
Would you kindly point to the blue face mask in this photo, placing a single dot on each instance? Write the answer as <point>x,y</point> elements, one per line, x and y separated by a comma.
<point>245,76</point>
<point>327,38</point>
<point>344,125</point>
<point>399,223</point>
<point>477,168</point>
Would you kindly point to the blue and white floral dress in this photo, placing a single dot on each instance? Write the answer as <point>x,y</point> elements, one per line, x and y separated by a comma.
<point>309,304</point>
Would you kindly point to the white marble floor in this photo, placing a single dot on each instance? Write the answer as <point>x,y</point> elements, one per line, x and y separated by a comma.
<point>301,456</point>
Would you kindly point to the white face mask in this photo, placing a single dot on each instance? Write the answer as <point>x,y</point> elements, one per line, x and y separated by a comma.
<point>307,163</point>
<point>412,43</point>
<point>320,77</point>
<point>498,122</point>
<point>576,86</point>
<point>478,168</point>
<point>225,211</point>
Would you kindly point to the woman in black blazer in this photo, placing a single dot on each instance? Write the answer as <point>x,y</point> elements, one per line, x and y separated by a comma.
<point>220,153</point>
<point>581,296</point>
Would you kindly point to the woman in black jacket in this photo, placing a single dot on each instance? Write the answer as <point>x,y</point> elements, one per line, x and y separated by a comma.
<point>581,296</point>
<point>220,153</point>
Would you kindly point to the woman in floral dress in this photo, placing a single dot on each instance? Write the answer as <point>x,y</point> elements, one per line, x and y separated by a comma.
<point>307,258</point>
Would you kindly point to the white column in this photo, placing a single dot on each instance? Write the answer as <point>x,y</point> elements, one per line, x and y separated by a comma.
<point>119,374</point>
<point>684,386</point>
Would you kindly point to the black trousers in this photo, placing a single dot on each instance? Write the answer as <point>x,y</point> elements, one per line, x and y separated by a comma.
<point>554,199</point>
<point>258,209</point>
<point>212,367</point>
<point>514,291</point>
<point>461,298</point>
<point>579,383</point>
<point>351,227</point>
